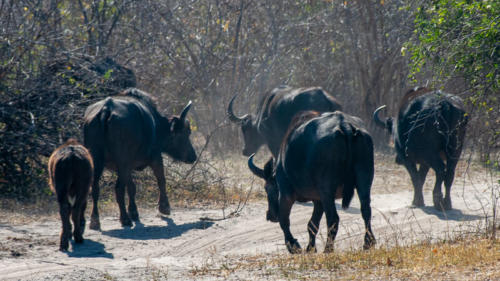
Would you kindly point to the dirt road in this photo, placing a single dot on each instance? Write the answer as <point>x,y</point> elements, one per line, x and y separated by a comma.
<point>170,247</point>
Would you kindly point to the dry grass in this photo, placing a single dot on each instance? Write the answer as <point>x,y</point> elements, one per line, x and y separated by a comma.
<point>471,258</point>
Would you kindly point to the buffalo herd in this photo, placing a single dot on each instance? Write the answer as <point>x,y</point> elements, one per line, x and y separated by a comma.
<point>319,154</point>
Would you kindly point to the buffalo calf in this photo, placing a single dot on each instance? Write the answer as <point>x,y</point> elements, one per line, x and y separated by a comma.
<point>322,157</point>
<point>70,177</point>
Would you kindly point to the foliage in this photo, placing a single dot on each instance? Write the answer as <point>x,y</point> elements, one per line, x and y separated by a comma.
<point>461,38</point>
<point>459,41</point>
<point>45,84</point>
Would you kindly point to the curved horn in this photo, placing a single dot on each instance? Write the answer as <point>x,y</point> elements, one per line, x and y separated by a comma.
<point>32,122</point>
<point>230,113</point>
<point>376,118</point>
<point>185,110</point>
<point>256,170</point>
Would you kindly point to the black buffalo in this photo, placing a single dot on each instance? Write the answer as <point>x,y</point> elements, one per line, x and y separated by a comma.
<point>70,177</point>
<point>276,110</point>
<point>429,130</point>
<point>322,157</point>
<point>126,133</point>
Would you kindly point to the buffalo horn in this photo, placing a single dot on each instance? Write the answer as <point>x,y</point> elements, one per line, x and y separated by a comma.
<point>185,110</point>
<point>32,121</point>
<point>256,170</point>
<point>376,118</point>
<point>230,113</point>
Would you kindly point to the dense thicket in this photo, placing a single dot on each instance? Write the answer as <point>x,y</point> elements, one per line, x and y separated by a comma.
<point>57,56</point>
<point>459,42</point>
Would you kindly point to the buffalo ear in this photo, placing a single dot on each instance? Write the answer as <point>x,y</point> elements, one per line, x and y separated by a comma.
<point>389,124</point>
<point>174,125</point>
<point>177,124</point>
<point>269,168</point>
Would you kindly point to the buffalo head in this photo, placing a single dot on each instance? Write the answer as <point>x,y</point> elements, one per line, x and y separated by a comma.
<point>178,145</point>
<point>271,187</point>
<point>386,124</point>
<point>251,136</point>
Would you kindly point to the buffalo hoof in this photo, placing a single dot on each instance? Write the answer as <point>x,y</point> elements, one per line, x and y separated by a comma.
<point>95,224</point>
<point>438,203</point>
<point>311,249</point>
<point>78,239</point>
<point>443,206</point>
<point>164,209</point>
<point>293,247</point>
<point>369,242</point>
<point>64,243</point>
<point>447,203</point>
<point>133,214</point>
<point>418,202</point>
<point>328,248</point>
<point>126,221</point>
<point>64,248</point>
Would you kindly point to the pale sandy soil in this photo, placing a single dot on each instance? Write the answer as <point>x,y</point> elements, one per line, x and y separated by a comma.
<point>172,247</point>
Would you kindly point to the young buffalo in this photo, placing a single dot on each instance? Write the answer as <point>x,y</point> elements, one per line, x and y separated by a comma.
<point>70,177</point>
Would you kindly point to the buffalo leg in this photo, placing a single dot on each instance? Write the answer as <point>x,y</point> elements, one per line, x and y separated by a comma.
<point>451,164</point>
<point>284,218</point>
<point>364,171</point>
<point>417,179</point>
<point>363,188</point>
<point>313,225</point>
<point>163,204</point>
<point>120,197</point>
<point>437,195</point>
<point>132,207</point>
<point>94,217</point>
<point>82,215</point>
<point>327,195</point>
<point>454,149</point>
<point>64,212</point>
<point>76,217</point>
<point>332,220</point>
<point>421,174</point>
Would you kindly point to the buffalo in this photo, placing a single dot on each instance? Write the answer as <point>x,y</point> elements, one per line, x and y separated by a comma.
<point>126,133</point>
<point>70,177</point>
<point>276,110</point>
<point>323,157</point>
<point>429,130</point>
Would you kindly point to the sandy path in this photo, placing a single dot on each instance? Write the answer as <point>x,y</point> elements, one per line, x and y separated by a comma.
<point>169,247</point>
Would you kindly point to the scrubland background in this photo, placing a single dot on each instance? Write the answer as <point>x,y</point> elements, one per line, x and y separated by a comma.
<point>59,56</point>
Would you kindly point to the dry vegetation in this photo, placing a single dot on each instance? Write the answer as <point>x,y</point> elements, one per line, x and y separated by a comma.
<point>467,258</point>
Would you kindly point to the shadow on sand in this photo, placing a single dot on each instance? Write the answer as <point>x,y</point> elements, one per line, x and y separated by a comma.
<point>171,230</point>
<point>453,214</point>
<point>89,249</point>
